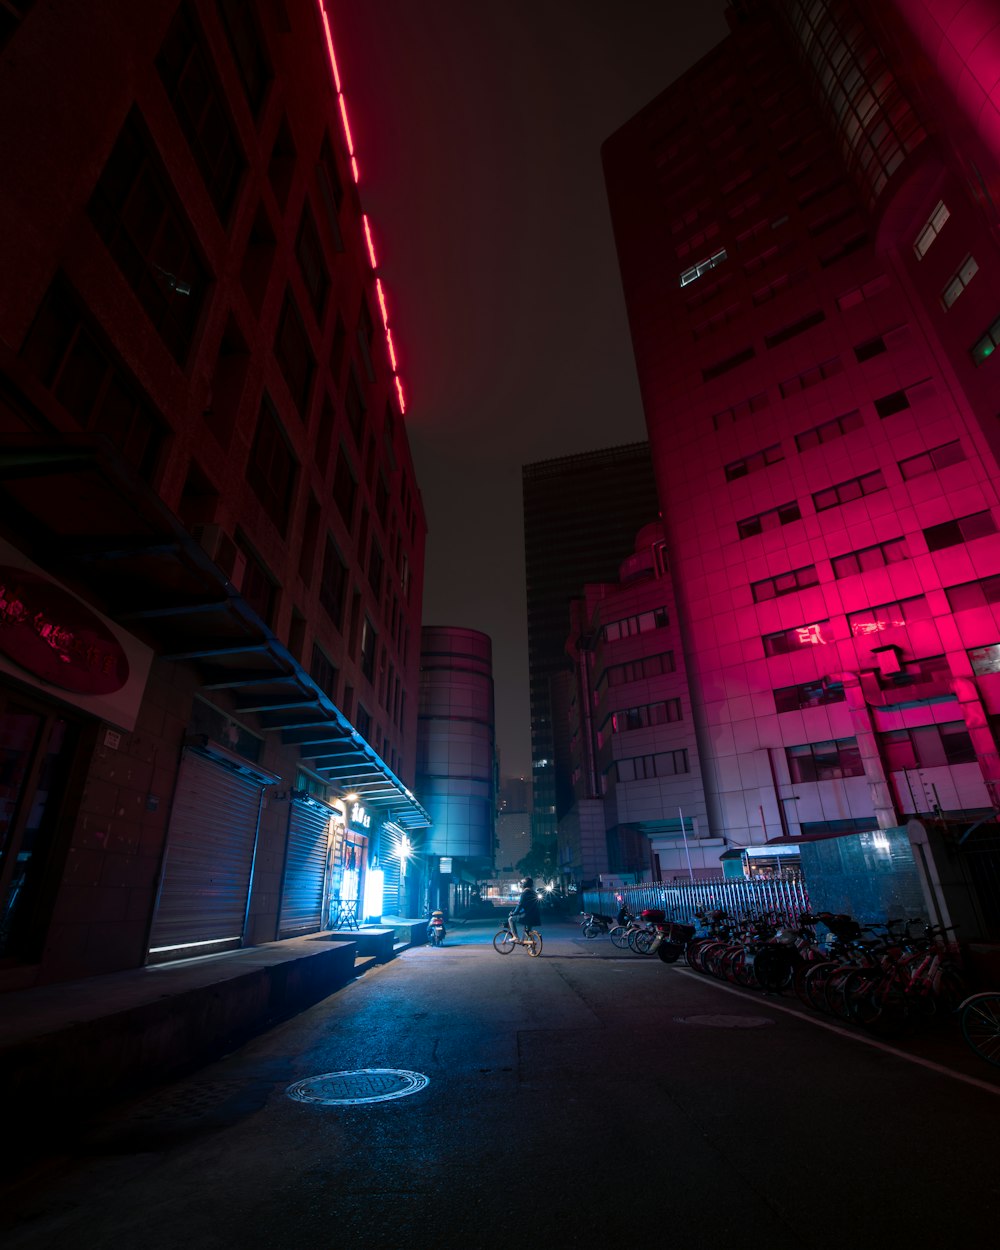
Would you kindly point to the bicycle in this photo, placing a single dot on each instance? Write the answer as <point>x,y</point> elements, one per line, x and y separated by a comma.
<point>980,1021</point>
<point>504,941</point>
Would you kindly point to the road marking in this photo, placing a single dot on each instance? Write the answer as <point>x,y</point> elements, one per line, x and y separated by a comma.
<point>855,1037</point>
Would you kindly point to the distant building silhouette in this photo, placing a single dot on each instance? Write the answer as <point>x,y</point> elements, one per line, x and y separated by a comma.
<point>581,514</point>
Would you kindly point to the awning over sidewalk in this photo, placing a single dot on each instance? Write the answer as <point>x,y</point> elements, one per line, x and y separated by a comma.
<point>79,511</point>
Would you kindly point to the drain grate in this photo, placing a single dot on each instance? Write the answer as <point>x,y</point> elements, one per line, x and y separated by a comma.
<point>344,1089</point>
<point>727,1022</point>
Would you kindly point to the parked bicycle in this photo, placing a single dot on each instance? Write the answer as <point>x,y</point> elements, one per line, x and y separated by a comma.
<point>979,1017</point>
<point>505,941</point>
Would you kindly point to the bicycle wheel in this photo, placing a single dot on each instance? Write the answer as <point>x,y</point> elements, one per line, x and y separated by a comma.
<point>814,983</point>
<point>866,994</point>
<point>534,939</point>
<point>503,943</point>
<point>619,937</point>
<point>643,940</point>
<point>980,1021</point>
<point>834,992</point>
<point>592,930</point>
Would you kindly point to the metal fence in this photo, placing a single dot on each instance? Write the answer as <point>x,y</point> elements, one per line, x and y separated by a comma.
<point>680,900</point>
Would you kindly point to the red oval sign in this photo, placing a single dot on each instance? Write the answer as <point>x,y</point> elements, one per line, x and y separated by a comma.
<point>50,633</point>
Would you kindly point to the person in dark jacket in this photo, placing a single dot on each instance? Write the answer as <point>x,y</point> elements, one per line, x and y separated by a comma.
<point>527,908</point>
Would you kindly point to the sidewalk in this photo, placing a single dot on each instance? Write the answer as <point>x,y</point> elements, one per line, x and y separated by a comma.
<point>69,1047</point>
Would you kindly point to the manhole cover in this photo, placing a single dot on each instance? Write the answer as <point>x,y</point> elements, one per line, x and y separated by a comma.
<point>727,1022</point>
<point>337,1089</point>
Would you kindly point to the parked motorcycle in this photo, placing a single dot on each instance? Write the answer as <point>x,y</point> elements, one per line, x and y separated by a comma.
<point>436,932</point>
<point>594,925</point>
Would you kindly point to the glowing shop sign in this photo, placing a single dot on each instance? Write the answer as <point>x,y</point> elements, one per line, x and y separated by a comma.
<point>873,627</point>
<point>360,817</point>
<point>811,635</point>
<point>55,637</point>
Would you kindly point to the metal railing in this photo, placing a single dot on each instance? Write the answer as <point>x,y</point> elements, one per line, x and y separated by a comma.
<point>680,900</point>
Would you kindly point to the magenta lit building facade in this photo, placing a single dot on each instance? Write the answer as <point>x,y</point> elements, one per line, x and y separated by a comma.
<point>807,231</point>
<point>640,810</point>
<point>212,535</point>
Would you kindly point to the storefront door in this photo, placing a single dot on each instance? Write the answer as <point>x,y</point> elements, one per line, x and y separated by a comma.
<point>36,747</point>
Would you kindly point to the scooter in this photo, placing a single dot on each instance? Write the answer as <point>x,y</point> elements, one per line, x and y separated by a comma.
<point>436,932</point>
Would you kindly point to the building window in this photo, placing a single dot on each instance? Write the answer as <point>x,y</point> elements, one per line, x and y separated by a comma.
<point>870,348</point>
<point>769,520</point>
<point>786,641</point>
<point>644,767</point>
<point>750,464</point>
<point>293,354</point>
<point>309,253</point>
<point>188,76</point>
<point>811,377</point>
<point>739,411</point>
<point>829,430</point>
<point>71,358</point>
<point>867,558</point>
<point>247,46</point>
<point>258,587</point>
<point>345,488</point>
<point>363,722</point>
<point>730,362</point>
<point>845,492</point>
<point>825,761</point>
<point>962,530</point>
<point>366,334</point>
<point>376,569</point>
<point>369,638</point>
<point>333,584</point>
<point>784,583</point>
<point>134,211</point>
<point>985,659</point>
<point>930,461</point>
<point>636,670</point>
<point>702,267</point>
<point>932,228</point>
<point>324,672</point>
<point>929,746</point>
<point>332,190</point>
<point>646,716</point>
<point>966,271</point>
<point>858,294</point>
<point>797,327</point>
<point>271,469</point>
<point>897,615</point>
<point>632,625</point>
<point>354,406</point>
<point>987,345</point>
<point>809,694</point>
<point>281,166</point>
<point>970,595</point>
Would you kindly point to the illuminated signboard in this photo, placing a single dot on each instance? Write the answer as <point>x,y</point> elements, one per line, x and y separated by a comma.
<point>360,817</point>
<point>52,640</point>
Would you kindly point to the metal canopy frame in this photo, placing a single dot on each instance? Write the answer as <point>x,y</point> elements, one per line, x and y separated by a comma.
<point>143,569</point>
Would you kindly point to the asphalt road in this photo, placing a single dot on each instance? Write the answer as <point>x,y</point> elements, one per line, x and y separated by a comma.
<point>585,1098</point>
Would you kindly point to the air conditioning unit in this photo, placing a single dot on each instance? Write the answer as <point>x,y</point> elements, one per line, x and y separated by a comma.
<point>221,548</point>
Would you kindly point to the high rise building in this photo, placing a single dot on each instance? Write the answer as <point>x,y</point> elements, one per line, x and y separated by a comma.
<point>581,515</point>
<point>212,535</point>
<point>807,229</point>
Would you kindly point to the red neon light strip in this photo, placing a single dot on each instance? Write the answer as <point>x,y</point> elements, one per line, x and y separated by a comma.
<point>368,236</point>
<point>348,139</point>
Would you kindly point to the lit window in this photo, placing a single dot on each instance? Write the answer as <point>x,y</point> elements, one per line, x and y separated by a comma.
<point>702,267</point>
<point>934,226</point>
<point>987,345</point>
<point>966,272</point>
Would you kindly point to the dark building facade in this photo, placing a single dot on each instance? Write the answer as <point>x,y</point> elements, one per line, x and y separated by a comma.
<point>581,514</point>
<point>807,228</point>
<point>212,536</point>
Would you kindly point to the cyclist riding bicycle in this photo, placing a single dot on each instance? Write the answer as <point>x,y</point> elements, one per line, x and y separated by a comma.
<point>527,909</point>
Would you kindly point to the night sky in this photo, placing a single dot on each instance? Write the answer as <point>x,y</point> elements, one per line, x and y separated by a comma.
<point>478,129</point>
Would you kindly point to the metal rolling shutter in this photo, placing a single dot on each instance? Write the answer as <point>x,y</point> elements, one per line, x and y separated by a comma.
<point>304,888</point>
<point>390,886</point>
<point>209,859</point>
